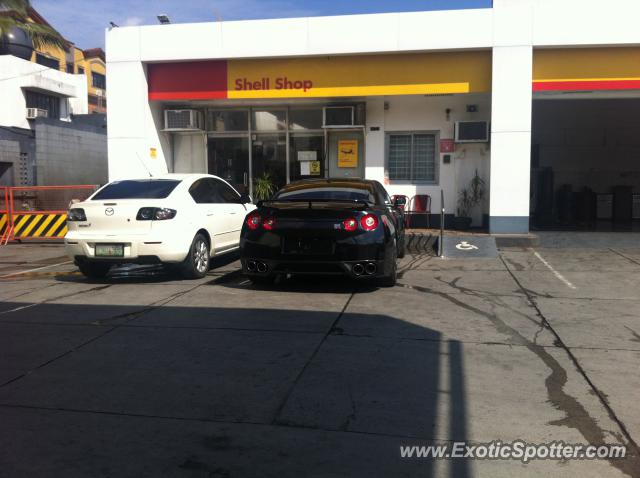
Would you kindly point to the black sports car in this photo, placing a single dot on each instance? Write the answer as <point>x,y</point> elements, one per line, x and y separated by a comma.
<point>324,226</point>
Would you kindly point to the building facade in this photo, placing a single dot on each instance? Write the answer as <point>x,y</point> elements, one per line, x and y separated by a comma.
<point>47,136</point>
<point>420,101</point>
<point>89,64</point>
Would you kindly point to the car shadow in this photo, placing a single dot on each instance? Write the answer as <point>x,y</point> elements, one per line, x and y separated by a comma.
<point>138,273</point>
<point>246,391</point>
<point>299,283</point>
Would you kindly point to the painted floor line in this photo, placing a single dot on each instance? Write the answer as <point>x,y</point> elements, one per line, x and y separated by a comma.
<point>33,270</point>
<point>555,272</point>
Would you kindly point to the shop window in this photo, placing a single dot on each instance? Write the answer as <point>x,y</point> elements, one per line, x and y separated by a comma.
<point>80,70</point>
<point>227,120</point>
<point>304,119</point>
<point>44,102</point>
<point>271,120</point>
<point>306,157</point>
<point>47,61</point>
<point>70,68</point>
<point>98,80</point>
<point>411,157</point>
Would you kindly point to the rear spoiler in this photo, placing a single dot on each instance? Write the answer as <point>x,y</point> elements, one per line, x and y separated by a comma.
<point>354,202</point>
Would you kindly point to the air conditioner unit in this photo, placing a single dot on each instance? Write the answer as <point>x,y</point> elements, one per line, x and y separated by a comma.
<point>472,132</point>
<point>33,113</point>
<point>182,120</point>
<point>338,116</point>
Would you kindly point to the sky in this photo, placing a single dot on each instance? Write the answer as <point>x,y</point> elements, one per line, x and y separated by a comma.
<point>83,23</point>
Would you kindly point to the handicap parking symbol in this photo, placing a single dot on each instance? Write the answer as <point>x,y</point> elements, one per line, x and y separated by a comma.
<point>465,246</point>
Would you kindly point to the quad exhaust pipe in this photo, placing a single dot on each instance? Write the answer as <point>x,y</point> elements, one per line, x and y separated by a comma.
<point>358,269</point>
<point>251,266</point>
<point>370,268</point>
<point>261,267</point>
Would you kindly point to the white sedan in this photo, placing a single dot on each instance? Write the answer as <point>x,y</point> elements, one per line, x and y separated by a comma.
<point>177,219</point>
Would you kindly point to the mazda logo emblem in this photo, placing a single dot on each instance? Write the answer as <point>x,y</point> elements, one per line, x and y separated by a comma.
<point>109,211</point>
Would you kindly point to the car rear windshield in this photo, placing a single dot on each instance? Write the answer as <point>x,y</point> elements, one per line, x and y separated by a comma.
<point>328,192</point>
<point>137,189</point>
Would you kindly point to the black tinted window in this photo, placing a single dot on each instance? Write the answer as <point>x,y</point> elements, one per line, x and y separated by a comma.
<point>225,193</point>
<point>137,189</point>
<point>384,195</point>
<point>203,191</point>
<point>328,191</point>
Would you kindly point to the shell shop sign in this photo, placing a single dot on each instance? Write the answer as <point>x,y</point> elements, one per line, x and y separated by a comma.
<point>266,83</point>
<point>364,75</point>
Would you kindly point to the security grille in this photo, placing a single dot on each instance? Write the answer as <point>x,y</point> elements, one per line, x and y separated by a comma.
<point>411,157</point>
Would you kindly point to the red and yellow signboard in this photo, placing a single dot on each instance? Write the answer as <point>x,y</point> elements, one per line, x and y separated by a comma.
<point>317,77</point>
<point>586,69</point>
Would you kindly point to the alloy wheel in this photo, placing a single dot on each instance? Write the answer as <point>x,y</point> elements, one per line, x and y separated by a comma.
<point>201,256</point>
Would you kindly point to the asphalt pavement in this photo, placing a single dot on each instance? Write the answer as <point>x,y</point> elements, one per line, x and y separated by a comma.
<point>144,374</point>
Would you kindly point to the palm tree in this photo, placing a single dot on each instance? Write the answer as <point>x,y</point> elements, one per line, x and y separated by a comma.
<point>15,14</point>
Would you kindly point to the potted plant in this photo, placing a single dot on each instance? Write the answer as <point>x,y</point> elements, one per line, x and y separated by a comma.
<point>468,198</point>
<point>263,187</point>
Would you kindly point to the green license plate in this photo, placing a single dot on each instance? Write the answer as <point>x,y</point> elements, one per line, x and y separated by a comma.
<point>109,250</point>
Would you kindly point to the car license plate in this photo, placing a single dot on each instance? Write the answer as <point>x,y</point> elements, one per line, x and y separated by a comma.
<point>109,250</point>
<point>310,246</point>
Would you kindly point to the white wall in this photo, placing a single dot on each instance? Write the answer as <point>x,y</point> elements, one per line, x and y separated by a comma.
<point>420,113</point>
<point>132,129</point>
<point>190,153</point>
<point>583,22</point>
<point>17,74</point>
<point>511,117</point>
<point>387,32</point>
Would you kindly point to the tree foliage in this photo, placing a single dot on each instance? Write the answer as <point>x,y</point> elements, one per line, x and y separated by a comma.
<point>15,13</point>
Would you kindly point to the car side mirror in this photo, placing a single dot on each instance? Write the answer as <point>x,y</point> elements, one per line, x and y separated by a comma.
<point>245,199</point>
<point>399,201</point>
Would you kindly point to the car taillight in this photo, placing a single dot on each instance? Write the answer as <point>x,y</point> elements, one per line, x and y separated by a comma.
<point>164,213</point>
<point>76,214</point>
<point>269,223</point>
<point>155,214</point>
<point>369,222</point>
<point>253,221</point>
<point>350,224</point>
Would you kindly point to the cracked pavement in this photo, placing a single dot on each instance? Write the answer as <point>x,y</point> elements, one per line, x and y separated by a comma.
<point>147,375</point>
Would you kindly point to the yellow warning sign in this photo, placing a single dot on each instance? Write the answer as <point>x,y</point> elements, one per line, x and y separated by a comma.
<point>314,170</point>
<point>348,153</point>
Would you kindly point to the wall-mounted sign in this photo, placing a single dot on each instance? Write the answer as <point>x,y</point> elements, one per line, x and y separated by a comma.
<point>586,69</point>
<point>153,153</point>
<point>348,153</point>
<point>307,155</point>
<point>320,77</point>
<point>315,168</point>
<point>447,146</point>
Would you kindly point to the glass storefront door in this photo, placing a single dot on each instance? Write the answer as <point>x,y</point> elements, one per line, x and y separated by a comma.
<point>268,162</point>
<point>258,149</point>
<point>306,156</point>
<point>229,159</point>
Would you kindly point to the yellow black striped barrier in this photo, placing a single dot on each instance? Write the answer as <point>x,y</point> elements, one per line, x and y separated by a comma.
<point>34,225</point>
<point>3,223</point>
